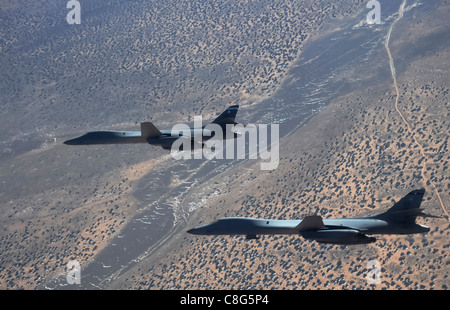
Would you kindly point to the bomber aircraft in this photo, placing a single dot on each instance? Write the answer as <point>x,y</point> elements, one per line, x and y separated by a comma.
<point>399,219</point>
<point>152,135</point>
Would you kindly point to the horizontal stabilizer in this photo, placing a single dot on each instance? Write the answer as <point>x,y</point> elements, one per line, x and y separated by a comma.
<point>421,214</point>
<point>148,130</point>
<point>310,223</point>
<point>407,212</point>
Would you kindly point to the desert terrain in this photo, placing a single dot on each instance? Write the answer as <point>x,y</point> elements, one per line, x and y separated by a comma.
<point>357,156</point>
<point>165,62</point>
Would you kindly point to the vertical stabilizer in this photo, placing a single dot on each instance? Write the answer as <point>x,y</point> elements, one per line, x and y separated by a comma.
<point>227,116</point>
<point>407,209</point>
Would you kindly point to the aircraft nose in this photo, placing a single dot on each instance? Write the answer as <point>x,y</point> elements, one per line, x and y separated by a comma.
<point>192,231</point>
<point>72,141</point>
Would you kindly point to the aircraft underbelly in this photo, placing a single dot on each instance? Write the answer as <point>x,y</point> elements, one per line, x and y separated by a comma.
<point>365,225</point>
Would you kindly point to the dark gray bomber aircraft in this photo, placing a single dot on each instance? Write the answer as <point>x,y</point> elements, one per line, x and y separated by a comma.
<point>152,135</point>
<point>400,219</point>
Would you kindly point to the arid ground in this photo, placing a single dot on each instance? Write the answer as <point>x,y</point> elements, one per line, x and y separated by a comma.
<point>382,134</point>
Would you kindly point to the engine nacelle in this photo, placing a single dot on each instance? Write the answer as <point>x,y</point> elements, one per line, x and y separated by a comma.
<point>337,236</point>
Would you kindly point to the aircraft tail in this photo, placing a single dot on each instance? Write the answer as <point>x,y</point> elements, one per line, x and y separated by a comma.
<point>227,116</point>
<point>148,130</point>
<point>407,209</point>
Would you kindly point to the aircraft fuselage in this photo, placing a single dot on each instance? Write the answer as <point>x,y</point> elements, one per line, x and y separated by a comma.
<point>251,226</point>
<point>130,137</point>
